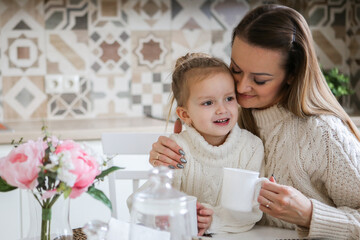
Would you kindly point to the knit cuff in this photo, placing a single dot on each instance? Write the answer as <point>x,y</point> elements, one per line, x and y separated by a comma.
<point>326,222</point>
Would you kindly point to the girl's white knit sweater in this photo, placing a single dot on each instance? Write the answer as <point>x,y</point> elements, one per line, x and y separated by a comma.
<point>320,157</point>
<point>203,173</point>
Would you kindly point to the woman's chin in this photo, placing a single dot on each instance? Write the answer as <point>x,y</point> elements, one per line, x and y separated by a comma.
<point>246,104</point>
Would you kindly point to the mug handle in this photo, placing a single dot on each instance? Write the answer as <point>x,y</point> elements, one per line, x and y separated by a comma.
<point>258,184</point>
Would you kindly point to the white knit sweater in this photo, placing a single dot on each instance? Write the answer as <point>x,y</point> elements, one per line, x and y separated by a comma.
<point>320,157</point>
<point>203,173</point>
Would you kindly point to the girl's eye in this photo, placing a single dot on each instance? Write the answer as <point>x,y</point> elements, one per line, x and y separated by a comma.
<point>229,99</point>
<point>235,71</point>
<point>207,103</point>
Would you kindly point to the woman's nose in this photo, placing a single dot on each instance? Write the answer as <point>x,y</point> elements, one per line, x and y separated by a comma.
<point>242,84</point>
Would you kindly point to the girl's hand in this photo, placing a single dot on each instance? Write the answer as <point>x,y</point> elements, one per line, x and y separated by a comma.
<point>166,152</point>
<point>204,216</point>
<point>285,203</point>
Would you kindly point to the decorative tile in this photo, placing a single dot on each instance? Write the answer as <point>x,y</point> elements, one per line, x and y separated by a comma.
<point>151,51</point>
<point>150,93</point>
<point>1,84</point>
<point>353,42</point>
<point>66,15</point>
<point>331,51</point>
<point>24,98</point>
<point>190,41</point>
<point>67,52</point>
<point>31,10</point>
<point>149,14</point>
<point>226,14</point>
<point>1,97</point>
<point>111,95</point>
<point>110,50</point>
<point>221,45</point>
<point>22,45</point>
<point>23,53</point>
<point>327,23</point>
<point>107,13</point>
<point>188,14</point>
<point>71,105</point>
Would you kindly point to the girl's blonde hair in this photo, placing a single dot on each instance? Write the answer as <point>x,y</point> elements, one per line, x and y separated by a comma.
<point>191,68</point>
<point>283,29</point>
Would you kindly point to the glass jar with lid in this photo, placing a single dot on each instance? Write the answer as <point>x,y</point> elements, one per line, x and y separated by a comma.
<point>162,212</point>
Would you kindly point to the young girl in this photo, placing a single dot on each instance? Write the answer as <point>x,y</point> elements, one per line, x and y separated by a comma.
<point>204,90</point>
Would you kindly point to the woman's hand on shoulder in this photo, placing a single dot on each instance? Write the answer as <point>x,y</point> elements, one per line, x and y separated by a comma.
<point>166,152</point>
<point>285,203</point>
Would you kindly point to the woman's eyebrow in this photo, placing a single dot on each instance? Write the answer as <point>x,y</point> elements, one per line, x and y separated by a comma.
<point>253,73</point>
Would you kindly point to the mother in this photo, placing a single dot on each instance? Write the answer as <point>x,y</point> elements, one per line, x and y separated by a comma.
<point>311,145</point>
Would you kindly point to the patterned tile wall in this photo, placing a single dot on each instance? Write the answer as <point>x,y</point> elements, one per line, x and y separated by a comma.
<point>122,52</point>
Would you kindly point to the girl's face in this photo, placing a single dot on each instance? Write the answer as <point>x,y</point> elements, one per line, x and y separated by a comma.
<point>258,74</point>
<point>211,108</point>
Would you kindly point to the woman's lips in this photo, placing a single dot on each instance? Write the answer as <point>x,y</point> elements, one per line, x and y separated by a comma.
<point>245,96</point>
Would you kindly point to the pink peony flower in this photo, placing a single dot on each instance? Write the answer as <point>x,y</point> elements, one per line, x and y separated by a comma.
<point>85,168</point>
<point>21,166</point>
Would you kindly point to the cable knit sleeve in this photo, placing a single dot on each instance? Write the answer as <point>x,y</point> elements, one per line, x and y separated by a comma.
<point>255,160</point>
<point>339,172</point>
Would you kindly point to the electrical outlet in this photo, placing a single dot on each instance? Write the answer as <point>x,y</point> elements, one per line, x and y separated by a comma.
<point>53,84</point>
<point>71,84</point>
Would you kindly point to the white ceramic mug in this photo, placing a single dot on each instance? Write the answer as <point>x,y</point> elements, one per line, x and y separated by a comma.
<point>240,189</point>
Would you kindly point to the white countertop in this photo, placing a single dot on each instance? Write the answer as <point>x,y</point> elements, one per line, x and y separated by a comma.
<point>81,129</point>
<point>87,129</point>
<point>119,230</point>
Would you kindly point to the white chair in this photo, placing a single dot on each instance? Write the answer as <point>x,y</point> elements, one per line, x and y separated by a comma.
<point>126,144</point>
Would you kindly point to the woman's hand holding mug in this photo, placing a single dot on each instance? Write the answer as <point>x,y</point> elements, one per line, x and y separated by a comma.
<point>285,203</point>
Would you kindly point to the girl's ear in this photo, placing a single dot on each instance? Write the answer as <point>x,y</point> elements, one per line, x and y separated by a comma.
<point>182,113</point>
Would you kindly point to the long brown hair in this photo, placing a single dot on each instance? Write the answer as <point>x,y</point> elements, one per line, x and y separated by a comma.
<point>283,29</point>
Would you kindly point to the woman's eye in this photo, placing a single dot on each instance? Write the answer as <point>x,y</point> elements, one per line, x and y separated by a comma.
<point>207,103</point>
<point>229,99</point>
<point>259,82</point>
<point>235,71</point>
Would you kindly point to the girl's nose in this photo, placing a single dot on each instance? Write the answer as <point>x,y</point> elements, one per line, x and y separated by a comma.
<point>221,109</point>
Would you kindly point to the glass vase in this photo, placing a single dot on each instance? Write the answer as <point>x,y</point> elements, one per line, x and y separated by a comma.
<point>49,218</point>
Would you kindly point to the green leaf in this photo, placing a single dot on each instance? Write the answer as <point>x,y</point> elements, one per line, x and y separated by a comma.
<point>67,192</point>
<point>99,195</point>
<point>338,83</point>
<point>107,172</point>
<point>5,187</point>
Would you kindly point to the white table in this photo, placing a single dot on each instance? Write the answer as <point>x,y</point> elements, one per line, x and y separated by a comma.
<point>260,232</point>
<point>119,230</point>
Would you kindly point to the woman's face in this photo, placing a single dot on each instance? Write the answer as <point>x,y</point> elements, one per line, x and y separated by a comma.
<point>258,74</point>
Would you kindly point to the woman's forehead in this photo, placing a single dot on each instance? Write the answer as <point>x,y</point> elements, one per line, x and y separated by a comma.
<point>253,58</point>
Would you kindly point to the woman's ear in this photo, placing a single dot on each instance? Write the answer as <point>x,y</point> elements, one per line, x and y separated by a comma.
<point>182,113</point>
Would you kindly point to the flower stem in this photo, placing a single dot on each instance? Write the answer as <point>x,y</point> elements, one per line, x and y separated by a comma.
<point>45,223</point>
